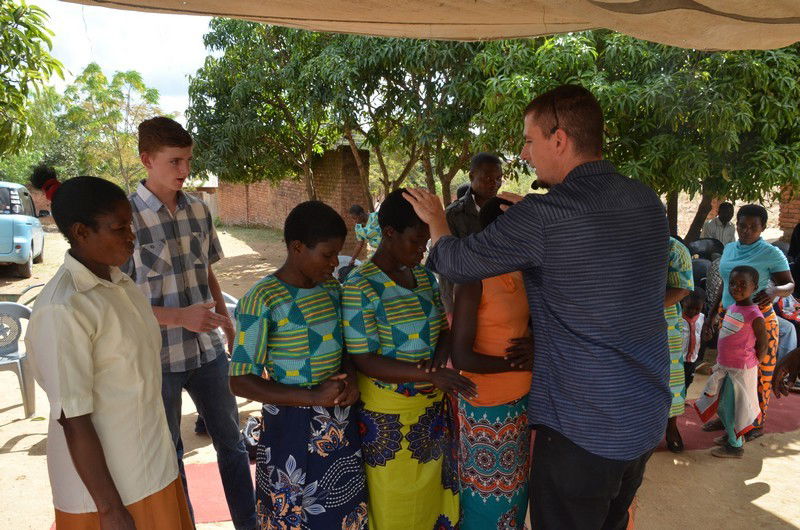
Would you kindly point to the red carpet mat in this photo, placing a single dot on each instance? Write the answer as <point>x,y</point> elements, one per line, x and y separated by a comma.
<point>783,416</point>
<point>205,490</point>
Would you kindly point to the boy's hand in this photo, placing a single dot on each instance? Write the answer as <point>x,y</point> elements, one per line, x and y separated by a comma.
<point>230,333</point>
<point>707,332</point>
<point>202,318</point>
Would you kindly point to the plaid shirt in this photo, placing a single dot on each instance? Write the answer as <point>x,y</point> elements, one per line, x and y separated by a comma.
<point>170,265</point>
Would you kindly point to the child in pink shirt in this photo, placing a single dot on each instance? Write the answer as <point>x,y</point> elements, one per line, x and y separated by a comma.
<point>731,390</point>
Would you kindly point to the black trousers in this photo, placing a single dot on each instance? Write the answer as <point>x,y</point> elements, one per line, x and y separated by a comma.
<point>571,488</point>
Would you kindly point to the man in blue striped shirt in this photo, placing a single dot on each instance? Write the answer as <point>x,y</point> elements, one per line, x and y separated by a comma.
<point>600,395</point>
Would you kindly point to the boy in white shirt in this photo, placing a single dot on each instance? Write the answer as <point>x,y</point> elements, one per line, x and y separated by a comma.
<point>694,319</point>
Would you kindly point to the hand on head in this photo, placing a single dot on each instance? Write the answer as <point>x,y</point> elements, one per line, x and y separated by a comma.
<point>510,197</point>
<point>429,209</point>
<point>427,205</point>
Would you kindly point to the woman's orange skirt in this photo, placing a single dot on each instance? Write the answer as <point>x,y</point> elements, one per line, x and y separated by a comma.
<point>163,510</point>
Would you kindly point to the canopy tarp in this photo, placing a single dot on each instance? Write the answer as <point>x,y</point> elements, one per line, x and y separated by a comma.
<point>703,24</point>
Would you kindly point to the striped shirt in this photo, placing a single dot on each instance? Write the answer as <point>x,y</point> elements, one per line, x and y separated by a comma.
<point>170,265</point>
<point>382,317</point>
<point>294,334</point>
<point>600,374</point>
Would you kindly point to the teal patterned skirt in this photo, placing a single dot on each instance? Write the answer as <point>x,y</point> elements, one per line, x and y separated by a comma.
<point>494,463</point>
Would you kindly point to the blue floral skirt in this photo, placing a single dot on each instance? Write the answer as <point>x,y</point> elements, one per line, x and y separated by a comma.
<point>309,469</point>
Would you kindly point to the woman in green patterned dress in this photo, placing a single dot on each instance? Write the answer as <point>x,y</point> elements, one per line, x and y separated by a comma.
<point>395,332</point>
<point>679,284</point>
<point>289,356</point>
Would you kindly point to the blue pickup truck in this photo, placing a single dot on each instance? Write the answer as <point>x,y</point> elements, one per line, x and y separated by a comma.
<point>21,234</point>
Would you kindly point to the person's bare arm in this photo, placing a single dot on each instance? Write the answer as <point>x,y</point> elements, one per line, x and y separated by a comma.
<point>90,463</point>
<point>199,318</point>
<point>256,388</point>
<point>786,373</point>
<point>221,308</point>
<point>358,250</point>
<point>396,371</point>
<point>674,295</point>
<point>784,286</point>
<point>710,323</point>
<point>762,341</point>
<point>464,357</point>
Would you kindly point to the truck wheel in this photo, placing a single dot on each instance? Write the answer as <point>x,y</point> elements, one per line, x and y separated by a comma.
<point>40,257</point>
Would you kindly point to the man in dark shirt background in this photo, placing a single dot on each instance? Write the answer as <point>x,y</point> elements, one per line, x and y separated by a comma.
<point>485,179</point>
<point>599,398</point>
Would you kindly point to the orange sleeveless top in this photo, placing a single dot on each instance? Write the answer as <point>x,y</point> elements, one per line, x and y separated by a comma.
<point>503,315</point>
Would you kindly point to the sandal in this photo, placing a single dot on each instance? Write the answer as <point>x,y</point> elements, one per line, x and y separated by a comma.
<point>753,434</point>
<point>675,445</point>
<point>728,451</point>
<point>714,425</point>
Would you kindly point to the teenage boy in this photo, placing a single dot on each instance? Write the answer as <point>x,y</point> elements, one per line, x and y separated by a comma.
<point>176,245</point>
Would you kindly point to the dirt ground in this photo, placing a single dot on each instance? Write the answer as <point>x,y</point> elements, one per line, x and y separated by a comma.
<point>691,490</point>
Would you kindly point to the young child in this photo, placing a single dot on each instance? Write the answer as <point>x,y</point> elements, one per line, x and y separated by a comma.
<point>693,320</point>
<point>94,344</point>
<point>731,390</point>
<point>176,246</point>
<point>309,471</point>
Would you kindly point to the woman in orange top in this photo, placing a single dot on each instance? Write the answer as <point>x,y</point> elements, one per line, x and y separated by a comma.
<point>492,346</point>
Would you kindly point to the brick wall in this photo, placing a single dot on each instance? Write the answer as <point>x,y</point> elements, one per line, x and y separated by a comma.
<point>336,181</point>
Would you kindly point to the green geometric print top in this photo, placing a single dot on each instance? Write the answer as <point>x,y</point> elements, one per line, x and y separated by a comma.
<point>369,232</point>
<point>679,273</point>
<point>294,334</point>
<point>385,318</point>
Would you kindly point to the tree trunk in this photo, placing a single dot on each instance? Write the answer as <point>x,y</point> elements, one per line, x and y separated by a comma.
<point>672,212</point>
<point>446,179</point>
<point>412,161</point>
<point>362,171</point>
<point>699,218</point>
<point>308,180</point>
<point>386,181</point>
<point>430,181</point>
<point>447,197</point>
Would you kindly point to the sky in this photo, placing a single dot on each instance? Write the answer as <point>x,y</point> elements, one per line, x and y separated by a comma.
<point>165,49</point>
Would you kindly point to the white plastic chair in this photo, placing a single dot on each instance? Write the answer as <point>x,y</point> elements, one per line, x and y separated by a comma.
<point>11,358</point>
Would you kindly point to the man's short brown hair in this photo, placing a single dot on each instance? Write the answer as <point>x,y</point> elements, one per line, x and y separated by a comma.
<point>159,132</point>
<point>574,110</point>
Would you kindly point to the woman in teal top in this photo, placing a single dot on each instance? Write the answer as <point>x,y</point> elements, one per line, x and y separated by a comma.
<point>396,334</point>
<point>288,355</point>
<point>775,280</point>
